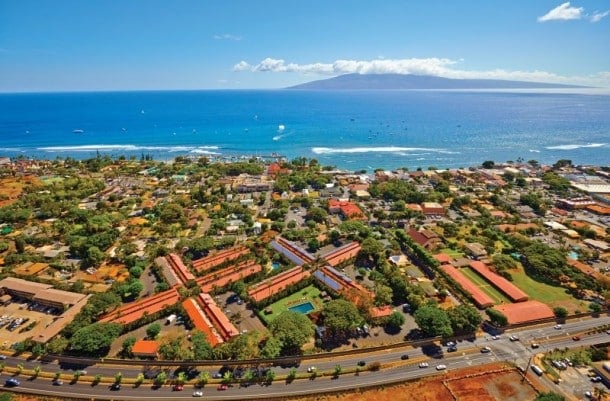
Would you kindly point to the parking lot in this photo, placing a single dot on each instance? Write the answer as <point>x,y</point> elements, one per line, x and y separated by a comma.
<point>12,330</point>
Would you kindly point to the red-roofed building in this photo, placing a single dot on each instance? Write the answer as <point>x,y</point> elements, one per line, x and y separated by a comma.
<point>343,253</point>
<point>275,284</point>
<point>378,312</point>
<point>181,271</point>
<point>133,311</point>
<point>482,300</point>
<point>443,258</point>
<point>426,238</point>
<point>499,282</point>
<point>432,209</point>
<point>347,209</point>
<point>523,312</point>
<point>211,261</point>
<point>145,349</point>
<point>201,322</point>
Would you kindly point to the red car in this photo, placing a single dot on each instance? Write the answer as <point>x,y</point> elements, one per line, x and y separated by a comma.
<point>222,387</point>
<point>576,338</point>
<point>178,387</point>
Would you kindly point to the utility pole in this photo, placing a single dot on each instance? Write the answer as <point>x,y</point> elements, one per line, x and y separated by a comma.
<point>529,363</point>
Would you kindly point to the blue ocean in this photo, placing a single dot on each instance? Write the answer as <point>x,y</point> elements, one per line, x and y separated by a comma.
<point>347,129</point>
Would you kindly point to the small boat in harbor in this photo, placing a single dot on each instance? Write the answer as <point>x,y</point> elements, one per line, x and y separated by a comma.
<point>78,131</point>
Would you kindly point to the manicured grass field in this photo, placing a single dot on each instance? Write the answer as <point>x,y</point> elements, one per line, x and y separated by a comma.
<point>307,294</point>
<point>485,286</point>
<point>550,295</point>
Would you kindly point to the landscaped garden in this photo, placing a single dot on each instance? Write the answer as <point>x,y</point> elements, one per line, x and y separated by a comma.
<point>304,301</point>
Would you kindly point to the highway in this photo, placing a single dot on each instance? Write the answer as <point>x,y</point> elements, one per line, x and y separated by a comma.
<point>396,370</point>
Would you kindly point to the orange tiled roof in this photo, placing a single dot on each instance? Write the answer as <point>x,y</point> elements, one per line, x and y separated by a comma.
<point>480,298</point>
<point>525,311</point>
<point>145,347</point>
<point>342,253</point>
<point>201,322</point>
<point>502,284</point>
<point>211,261</point>
<point>133,311</point>
<point>277,283</point>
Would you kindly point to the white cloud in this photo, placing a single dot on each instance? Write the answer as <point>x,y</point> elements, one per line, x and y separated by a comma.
<point>439,67</point>
<point>598,16</point>
<point>562,12</point>
<point>242,66</point>
<point>228,36</point>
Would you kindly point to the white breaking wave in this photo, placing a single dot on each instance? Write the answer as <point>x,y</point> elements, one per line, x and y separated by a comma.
<point>379,149</point>
<point>534,151</point>
<point>576,146</point>
<point>90,148</point>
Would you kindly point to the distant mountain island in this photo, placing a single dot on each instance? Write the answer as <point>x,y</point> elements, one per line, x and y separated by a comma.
<point>407,81</point>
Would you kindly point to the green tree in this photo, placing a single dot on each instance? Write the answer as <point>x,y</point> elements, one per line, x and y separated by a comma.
<point>595,308</point>
<point>341,317</point>
<point>118,377</point>
<point>433,321</point>
<point>128,345</point>
<point>395,320</point>
<point>496,317</point>
<point>292,330</point>
<point>203,378</point>
<point>560,312</point>
<point>488,164</point>
<point>160,379</point>
<point>95,339</point>
<point>201,348</point>
<point>272,348</point>
<point>550,396</point>
<point>464,318</point>
<point>153,330</point>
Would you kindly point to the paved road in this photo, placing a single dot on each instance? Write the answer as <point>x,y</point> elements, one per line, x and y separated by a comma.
<point>468,354</point>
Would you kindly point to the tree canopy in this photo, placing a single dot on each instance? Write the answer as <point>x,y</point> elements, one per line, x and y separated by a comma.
<point>433,321</point>
<point>292,329</point>
<point>341,316</point>
<point>95,339</point>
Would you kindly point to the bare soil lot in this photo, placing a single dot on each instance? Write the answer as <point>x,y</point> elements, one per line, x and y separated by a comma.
<point>472,384</point>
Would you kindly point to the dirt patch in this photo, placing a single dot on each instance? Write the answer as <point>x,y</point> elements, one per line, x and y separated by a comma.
<point>11,188</point>
<point>471,384</point>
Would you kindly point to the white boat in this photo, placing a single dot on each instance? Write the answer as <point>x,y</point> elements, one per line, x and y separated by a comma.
<point>78,131</point>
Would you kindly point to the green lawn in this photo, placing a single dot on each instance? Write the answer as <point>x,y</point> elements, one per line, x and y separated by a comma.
<point>485,286</point>
<point>309,293</point>
<point>453,253</point>
<point>550,295</point>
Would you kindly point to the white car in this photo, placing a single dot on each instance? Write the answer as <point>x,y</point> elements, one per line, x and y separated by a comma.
<point>198,394</point>
<point>311,369</point>
<point>423,365</point>
<point>557,327</point>
<point>485,350</point>
<point>441,367</point>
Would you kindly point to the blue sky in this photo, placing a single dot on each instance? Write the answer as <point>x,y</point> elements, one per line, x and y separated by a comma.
<point>71,45</point>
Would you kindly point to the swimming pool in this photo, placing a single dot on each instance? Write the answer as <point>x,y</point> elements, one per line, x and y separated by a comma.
<point>303,308</point>
<point>573,255</point>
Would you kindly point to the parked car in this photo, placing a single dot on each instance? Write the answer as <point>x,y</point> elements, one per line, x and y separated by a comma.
<point>423,365</point>
<point>441,367</point>
<point>535,345</point>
